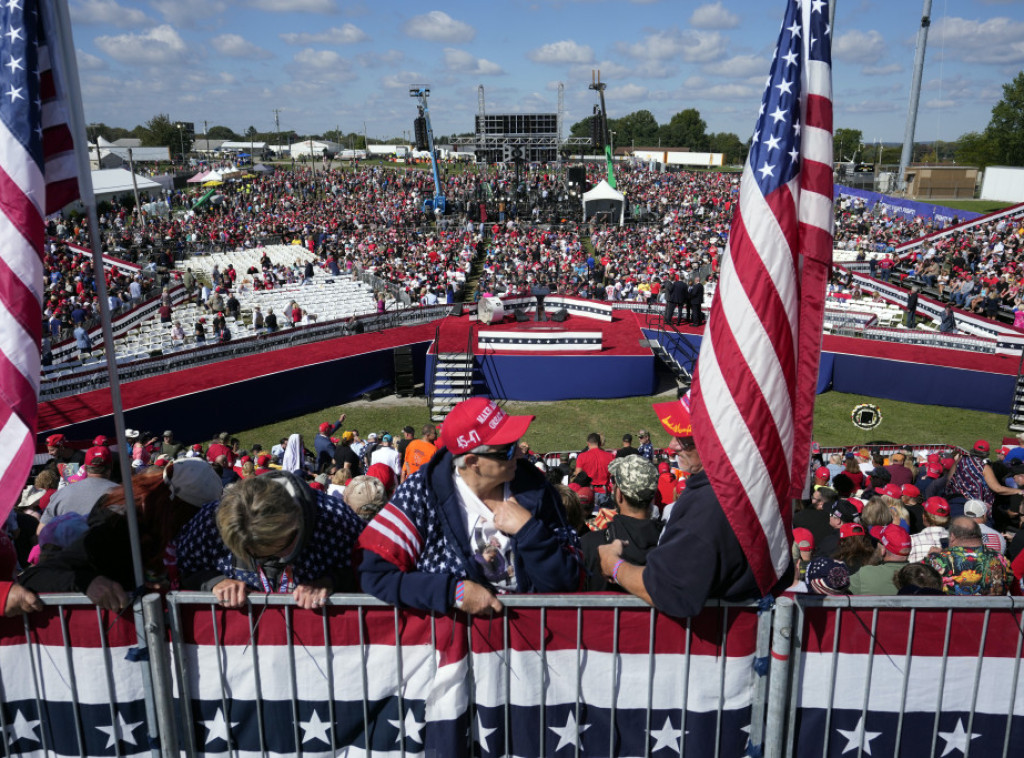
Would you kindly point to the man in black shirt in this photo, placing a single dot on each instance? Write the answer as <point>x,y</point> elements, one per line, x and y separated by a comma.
<point>627,447</point>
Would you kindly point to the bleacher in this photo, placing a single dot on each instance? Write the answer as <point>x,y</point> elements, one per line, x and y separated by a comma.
<point>328,298</point>
<point>279,255</point>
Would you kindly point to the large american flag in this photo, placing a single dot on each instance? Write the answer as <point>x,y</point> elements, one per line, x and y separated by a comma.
<point>753,394</point>
<point>37,177</point>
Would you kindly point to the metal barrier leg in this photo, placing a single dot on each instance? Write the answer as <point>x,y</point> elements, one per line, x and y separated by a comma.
<point>778,684</point>
<point>160,673</point>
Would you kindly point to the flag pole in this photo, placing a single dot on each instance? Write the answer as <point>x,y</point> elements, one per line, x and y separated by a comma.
<point>66,79</point>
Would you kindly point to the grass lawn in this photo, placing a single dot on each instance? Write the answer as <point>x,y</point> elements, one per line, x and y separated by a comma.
<point>976,206</point>
<point>564,425</point>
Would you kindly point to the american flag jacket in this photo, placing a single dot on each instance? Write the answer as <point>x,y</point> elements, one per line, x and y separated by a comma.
<point>417,548</point>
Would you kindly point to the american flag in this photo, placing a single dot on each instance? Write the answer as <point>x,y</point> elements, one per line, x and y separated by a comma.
<point>753,394</point>
<point>37,178</point>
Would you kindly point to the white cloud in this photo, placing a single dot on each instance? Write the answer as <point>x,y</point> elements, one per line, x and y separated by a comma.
<point>892,68</point>
<point>565,51</point>
<point>687,46</point>
<point>628,92</point>
<point>321,60</point>
<point>108,13</point>
<point>295,6</point>
<point>438,26</point>
<point>611,71</point>
<point>88,62</point>
<point>465,63</point>
<point>941,104</point>
<point>997,40</point>
<point>348,34</point>
<point>311,66</point>
<point>739,66</point>
<point>859,47</point>
<point>387,58</point>
<point>157,46</point>
<point>187,13</point>
<point>714,16</point>
<point>236,46</point>
<point>401,80</point>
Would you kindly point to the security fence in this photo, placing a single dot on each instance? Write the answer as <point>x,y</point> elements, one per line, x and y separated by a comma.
<point>582,675</point>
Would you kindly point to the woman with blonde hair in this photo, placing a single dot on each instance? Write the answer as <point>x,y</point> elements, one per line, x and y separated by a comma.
<point>271,533</point>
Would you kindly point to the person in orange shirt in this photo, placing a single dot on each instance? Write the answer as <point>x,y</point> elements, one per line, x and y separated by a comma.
<point>419,451</point>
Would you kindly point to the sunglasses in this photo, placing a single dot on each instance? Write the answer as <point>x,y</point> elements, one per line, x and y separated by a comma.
<point>504,453</point>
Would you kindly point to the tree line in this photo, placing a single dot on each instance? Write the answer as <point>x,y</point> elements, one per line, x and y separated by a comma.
<point>685,129</point>
<point>1000,143</point>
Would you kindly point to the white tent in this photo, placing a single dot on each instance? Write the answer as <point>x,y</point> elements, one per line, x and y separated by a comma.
<point>603,199</point>
<point>114,182</point>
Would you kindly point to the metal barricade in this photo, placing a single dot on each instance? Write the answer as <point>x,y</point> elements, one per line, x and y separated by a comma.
<point>72,681</point>
<point>604,674</point>
<point>899,676</point>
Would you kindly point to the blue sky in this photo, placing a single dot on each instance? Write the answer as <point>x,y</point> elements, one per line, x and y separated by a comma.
<point>338,63</point>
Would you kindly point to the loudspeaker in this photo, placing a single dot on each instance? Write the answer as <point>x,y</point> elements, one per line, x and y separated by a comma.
<point>456,309</point>
<point>522,315</point>
<point>577,174</point>
<point>560,315</point>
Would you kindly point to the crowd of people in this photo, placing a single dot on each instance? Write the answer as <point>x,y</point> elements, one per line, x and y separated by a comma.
<point>371,219</point>
<point>458,516</point>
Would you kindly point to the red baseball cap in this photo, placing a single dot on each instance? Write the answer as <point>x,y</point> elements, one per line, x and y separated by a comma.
<point>822,472</point>
<point>479,421</point>
<point>101,441</point>
<point>55,439</point>
<point>851,530</point>
<point>937,506</point>
<point>892,490</point>
<point>675,416</point>
<point>947,463</point>
<point>263,460</point>
<point>909,490</point>
<point>197,448</point>
<point>894,538</point>
<point>325,427</point>
<point>857,503</point>
<point>803,538</point>
<point>935,470</point>
<point>97,456</point>
<point>981,446</point>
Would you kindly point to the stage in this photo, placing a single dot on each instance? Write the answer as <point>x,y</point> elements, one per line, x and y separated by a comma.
<point>549,362</point>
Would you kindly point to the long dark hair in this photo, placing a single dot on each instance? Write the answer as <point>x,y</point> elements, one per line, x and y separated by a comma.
<point>160,516</point>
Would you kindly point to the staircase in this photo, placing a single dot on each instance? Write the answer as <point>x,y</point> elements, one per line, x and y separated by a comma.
<point>1017,404</point>
<point>671,347</point>
<point>453,383</point>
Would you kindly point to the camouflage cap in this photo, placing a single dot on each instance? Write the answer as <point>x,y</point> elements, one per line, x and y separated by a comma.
<point>636,476</point>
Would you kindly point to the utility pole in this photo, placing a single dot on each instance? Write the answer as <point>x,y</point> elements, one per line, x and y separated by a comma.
<point>277,127</point>
<point>915,94</point>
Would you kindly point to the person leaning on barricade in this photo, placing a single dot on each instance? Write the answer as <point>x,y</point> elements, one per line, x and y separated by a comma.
<point>475,522</point>
<point>699,556</point>
<point>271,533</point>
<point>99,562</point>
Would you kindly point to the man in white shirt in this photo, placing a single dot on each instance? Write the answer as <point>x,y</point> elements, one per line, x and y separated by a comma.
<point>387,455</point>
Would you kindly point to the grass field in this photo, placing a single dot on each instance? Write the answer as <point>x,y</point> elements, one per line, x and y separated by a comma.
<point>564,425</point>
<point>976,206</point>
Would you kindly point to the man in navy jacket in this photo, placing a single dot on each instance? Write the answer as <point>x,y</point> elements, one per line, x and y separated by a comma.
<point>698,556</point>
<point>474,523</point>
